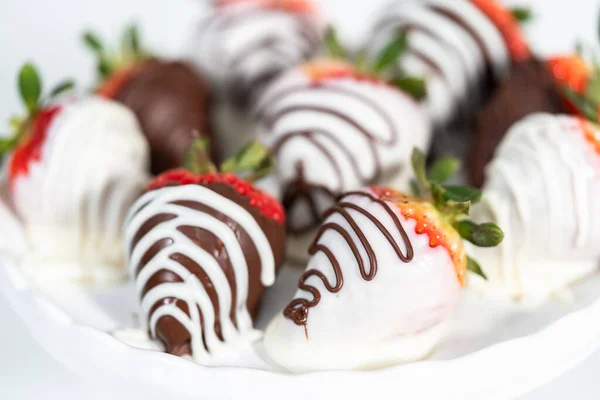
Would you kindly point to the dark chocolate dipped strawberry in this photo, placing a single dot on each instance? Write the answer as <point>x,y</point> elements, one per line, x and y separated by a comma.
<point>529,88</point>
<point>203,245</point>
<point>75,168</point>
<point>384,276</point>
<point>170,100</point>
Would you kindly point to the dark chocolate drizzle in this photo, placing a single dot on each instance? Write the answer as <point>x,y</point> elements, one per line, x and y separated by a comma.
<point>482,89</point>
<point>243,88</point>
<point>297,310</point>
<point>300,189</point>
<point>170,331</point>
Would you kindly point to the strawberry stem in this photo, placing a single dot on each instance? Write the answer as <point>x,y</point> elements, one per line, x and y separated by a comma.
<point>253,162</point>
<point>131,52</point>
<point>453,202</point>
<point>196,158</point>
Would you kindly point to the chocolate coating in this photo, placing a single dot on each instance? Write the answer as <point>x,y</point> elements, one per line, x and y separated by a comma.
<point>173,107</point>
<point>170,331</point>
<point>528,89</point>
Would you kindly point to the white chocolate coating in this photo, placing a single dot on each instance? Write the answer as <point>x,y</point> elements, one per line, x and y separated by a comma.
<point>94,163</point>
<point>450,44</point>
<point>398,316</point>
<point>340,132</point>
<point>237,335</point>
<point>241,47</point>
<point>541,189</point>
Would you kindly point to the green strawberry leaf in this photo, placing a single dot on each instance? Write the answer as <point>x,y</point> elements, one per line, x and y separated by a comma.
<point>333,46</point>
<point>443,169</point>
<point>484,235</point>
<point>197,159</point>
<point>7,143</point>
<point>254,159</point>
<point>131,41</point>
<point>390,53</point>
<point>62,87</point>
<point>461,194</point>
<point>93,42</point>
<point>30,87</point>
<point>522,14</point>
<point>474,267</point>
<point>586,106</point>
<point>442,200</point>
<point>415,87</point>
<point>593,90</point>
<point>105,67</point>
<point>415,190</point>
<point>418,165</point>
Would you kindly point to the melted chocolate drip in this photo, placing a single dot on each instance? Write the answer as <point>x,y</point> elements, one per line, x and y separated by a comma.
<point>298,309</point>
<point>528,89</point>
<point>300,189</point>
<point>173,107</point>
<point>175,336</point>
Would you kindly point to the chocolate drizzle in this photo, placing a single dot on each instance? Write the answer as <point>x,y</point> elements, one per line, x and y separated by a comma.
<point>298,309</point>
<point>175,335</point>
<point>299,189</point>
<point>245,82</point>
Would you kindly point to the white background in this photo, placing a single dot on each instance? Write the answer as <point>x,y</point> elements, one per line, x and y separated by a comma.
<point>48,33</point>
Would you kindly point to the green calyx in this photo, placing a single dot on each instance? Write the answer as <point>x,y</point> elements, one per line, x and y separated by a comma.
<point>30,88</point>
<point>523,15</point>
<point>251,163</point>
<point>385,65</point>
<point>108,62</point>
<point>453,202</point>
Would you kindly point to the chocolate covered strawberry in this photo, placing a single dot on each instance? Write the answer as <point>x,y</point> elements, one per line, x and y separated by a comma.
<point>542,187</point>
<point>244,44</point>
<point>336,125</point>
<point>385,274</point>
<point>203,244</point>
<point>169,99</point>
<point>75,167</point>
<point>461,47</point>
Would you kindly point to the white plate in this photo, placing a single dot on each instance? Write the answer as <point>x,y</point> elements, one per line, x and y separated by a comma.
<point>495,350</point>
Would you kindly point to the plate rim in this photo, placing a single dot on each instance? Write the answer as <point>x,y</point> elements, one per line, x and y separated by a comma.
<point>574,337</point>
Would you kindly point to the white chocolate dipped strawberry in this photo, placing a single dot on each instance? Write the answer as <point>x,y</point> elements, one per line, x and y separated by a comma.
<point>244,44</point>
<point>76,166</point>
<point>385,274</point>
<point>461,47</point>
<point>336,127</point>
<point>542,186</point>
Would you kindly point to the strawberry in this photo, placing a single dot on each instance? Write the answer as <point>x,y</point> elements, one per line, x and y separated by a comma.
<point>441,211</point>
<point>29,132</point>
<point>429,222</point>
<point>169,99</point>
<point>115,70</point>
<point>508,25</point>
<point>202,172</point>
<point>571,71</point>
<point>591,133</point>
<point>292,6</point>
<point>340,64</point>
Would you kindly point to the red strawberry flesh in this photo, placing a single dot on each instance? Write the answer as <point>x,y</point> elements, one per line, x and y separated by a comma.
<point>265,203</point>
<point>508,26</point>
<point>29,150</point>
